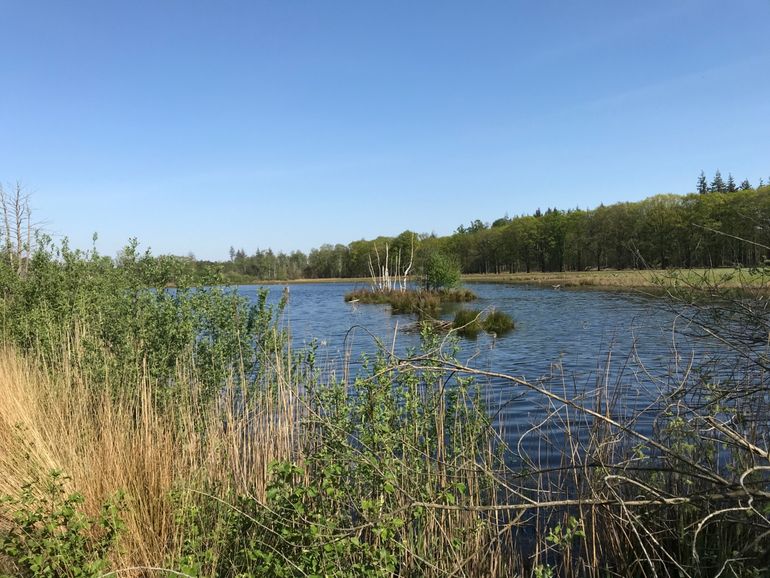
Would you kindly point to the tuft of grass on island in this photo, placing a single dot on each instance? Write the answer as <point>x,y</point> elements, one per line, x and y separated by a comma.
<point>410,300</point>
<point>470,322</point>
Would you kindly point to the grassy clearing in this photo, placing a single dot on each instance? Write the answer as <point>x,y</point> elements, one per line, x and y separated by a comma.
<point>652,279</point>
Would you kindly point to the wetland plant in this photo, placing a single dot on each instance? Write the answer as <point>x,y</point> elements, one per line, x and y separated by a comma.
<point>498,322</point>
<point>467,322</point>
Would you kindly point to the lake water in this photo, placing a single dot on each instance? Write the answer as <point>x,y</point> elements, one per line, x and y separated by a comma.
<point>572,341</point>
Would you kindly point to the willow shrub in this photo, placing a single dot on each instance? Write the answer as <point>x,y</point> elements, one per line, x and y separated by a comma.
<point>380,459</point>
<point>132,317</point>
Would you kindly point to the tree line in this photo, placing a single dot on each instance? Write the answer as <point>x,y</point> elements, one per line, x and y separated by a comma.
<point>719,226</point>
<point>724,226</point>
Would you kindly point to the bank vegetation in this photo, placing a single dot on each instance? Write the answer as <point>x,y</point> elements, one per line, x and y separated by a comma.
<point>155,432</point>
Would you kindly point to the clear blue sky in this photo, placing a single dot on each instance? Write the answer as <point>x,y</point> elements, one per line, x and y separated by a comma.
<point>195,125</point>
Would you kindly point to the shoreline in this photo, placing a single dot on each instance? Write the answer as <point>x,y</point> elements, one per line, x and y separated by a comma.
<point>605,279</point>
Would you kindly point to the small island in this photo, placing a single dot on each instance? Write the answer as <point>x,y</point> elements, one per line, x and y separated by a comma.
<point>423,294</point>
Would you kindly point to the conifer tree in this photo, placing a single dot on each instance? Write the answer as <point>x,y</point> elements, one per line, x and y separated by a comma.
<point>731,188</point>
<point>717,185</point>
<point>703,186</point>
<point>745,185</point>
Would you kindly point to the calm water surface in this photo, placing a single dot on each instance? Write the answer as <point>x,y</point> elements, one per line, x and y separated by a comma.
<point>571,341</point>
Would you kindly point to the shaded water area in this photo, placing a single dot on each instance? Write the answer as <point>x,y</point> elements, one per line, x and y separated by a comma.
<point>585,345</point>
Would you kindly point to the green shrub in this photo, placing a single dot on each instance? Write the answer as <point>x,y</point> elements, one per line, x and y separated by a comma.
<point>50,537</point>
<point>441,271</point>
<point>122,311</point>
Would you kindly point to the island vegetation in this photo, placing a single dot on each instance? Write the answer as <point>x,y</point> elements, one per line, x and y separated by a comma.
<point>438,285</point>
<point>154,432</point>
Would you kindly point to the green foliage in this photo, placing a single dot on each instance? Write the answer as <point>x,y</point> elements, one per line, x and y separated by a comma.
<point>112,318</point>
<point>696,230</point>
<point>302,531</point>
<point>379,445</point>
<point>563,536</point>
<point>718,184</point>
<point>441,271</point>
<point>703,186</point>
<point>50,537</point>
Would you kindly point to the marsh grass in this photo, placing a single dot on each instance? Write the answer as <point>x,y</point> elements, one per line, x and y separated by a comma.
<point>654,280</point>
<point>470,322</point>
<point>498,322</point>
<point>210,483</point>
<point>399,468</point>
<point>467,322</point>
<point>411,301</point>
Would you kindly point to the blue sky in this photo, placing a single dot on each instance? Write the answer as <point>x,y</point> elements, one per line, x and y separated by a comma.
<point>196,125</point>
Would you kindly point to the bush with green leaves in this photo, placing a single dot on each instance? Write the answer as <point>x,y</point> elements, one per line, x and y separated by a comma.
<point>383,457</point>
<point>49,535</point>
<point>441,271</point>
<point>134,317</point>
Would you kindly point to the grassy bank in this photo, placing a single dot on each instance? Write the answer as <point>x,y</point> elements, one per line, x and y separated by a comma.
<point>654,279</point>
<point>154,433</point>
<point>630,279</point>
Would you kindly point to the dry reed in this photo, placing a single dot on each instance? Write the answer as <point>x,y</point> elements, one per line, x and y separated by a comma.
<point>157,455</point>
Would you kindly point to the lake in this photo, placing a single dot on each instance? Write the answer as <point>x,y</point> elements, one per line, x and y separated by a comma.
<point>572,341</point>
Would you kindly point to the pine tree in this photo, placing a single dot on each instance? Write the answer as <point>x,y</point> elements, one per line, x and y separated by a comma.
<point>703,186</point>
<point>717,185</point>
<point>745,185</point>
<point>731,188</point>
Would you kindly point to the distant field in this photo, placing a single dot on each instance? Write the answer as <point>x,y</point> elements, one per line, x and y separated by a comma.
<point>609,278</point>
<point>651,278</point>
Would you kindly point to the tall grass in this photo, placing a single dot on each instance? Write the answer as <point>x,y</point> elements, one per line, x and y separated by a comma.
<point>158,454</point>
<point>212,484</point>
